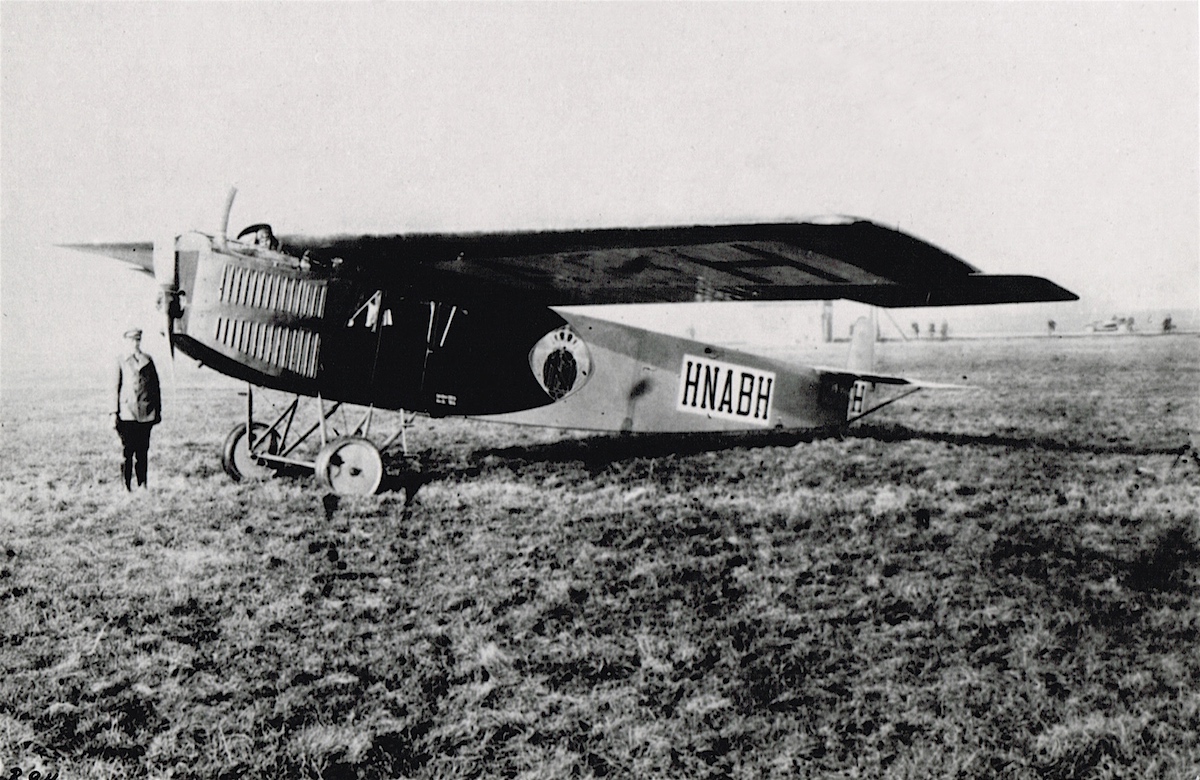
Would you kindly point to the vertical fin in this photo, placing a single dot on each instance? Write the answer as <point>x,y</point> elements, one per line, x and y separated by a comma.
<point>861,361</point>
<point>862,346</point>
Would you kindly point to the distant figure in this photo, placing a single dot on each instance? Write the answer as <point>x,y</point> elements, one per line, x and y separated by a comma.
<point>1051,325</point>
<point>945,330</point>
<point>139,407</point>
<point>916,330</point>
<point>932,331</point>
<point>1168,325</point>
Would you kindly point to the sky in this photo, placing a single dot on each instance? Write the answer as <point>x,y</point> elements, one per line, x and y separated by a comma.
<point>1055,139</point>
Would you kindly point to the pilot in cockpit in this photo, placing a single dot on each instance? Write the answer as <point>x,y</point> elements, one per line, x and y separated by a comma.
<point>260,235</point>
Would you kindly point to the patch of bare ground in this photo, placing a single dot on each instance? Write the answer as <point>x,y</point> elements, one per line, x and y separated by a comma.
<point>995,582</point>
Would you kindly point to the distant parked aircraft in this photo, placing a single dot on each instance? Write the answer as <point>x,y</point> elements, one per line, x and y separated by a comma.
<point>1113,325</point>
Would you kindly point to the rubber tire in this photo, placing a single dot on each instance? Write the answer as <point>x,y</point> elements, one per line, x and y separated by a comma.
<point>351,466</point>
<point>235,457</point>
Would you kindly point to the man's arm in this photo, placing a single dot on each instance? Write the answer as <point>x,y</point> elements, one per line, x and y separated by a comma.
<point>155,392</point>
<point>117,384</point>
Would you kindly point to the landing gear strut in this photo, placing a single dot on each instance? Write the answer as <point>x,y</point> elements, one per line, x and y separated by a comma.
<point>348,465</point>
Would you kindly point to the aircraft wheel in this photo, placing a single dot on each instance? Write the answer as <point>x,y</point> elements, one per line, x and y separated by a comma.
<point>236,458</point>
<point>350,467</point>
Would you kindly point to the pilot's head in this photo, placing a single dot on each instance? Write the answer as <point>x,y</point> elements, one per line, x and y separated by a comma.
<point>260,235</point>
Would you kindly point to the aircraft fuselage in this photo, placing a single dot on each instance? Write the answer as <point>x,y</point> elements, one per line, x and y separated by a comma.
<point>288,324</point>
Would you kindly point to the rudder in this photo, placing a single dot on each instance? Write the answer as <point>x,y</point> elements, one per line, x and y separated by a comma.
<point>861,361</point>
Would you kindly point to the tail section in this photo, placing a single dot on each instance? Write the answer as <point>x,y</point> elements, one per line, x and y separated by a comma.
<point>850,388</point>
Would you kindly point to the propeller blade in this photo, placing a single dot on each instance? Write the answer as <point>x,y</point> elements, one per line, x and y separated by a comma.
<point>171,337</point>
<point>166,272</point>
<point>223,234</point>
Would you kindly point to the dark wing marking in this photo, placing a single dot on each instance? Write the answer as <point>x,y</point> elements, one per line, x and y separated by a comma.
<point>853,259</point>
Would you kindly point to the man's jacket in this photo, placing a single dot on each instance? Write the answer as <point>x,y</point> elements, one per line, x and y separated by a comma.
<point>139,398</point>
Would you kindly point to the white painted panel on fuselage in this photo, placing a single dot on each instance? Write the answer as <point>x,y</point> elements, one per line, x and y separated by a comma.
<point>639,383</point>
<point>742,325</point>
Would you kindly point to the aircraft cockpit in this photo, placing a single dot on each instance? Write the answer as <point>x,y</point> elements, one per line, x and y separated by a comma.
<point>259,241</point>
<point>260,235</point>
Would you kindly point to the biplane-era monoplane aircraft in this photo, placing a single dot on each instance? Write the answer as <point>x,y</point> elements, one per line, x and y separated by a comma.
<point>490,326</point>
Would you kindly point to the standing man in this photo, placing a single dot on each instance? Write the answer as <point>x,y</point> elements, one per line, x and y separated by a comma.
<point>139,407</point>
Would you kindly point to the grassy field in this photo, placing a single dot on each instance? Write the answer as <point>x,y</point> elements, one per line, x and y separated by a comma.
<point>993,582</point>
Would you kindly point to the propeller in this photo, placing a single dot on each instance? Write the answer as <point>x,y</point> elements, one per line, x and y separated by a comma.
<point>166,272</point>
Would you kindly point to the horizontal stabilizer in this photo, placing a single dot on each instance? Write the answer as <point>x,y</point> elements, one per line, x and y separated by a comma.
<point>883,379</point>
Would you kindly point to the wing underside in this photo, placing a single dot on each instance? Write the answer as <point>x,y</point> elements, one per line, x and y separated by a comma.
<point>852,259</point>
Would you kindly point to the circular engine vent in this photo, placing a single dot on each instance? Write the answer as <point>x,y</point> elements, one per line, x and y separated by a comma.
<point>561,363</point>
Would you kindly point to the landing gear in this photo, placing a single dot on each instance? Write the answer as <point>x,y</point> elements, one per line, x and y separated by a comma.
<point>346,463</point>
<point>241,455</point>
<point>350,467</point>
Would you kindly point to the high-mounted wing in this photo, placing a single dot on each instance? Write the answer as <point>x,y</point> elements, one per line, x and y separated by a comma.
<point>849,258</point>
<point>138,253</point>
